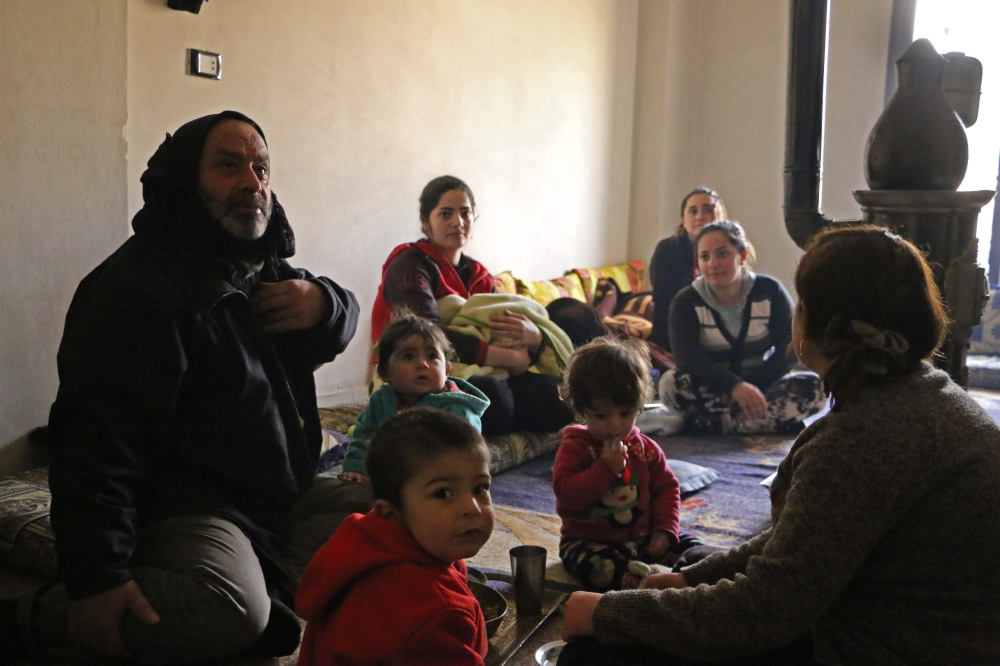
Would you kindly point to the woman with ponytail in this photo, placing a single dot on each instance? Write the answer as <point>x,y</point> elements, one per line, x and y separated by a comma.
<point>884,546</point>
<point>873,319</point>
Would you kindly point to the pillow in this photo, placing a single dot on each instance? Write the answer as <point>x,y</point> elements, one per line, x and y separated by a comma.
<point>606,296</point>
<point>542,291</point>
<point>629,277</point>
<point>26,539</point>
<point>573,286</point>
<point>629,326</point>
<point>692,477</point>
<point>638,304</point>
<point>505,283</point>
<point>546,291</point>
<point>659,422</point>
<point>633,317</point>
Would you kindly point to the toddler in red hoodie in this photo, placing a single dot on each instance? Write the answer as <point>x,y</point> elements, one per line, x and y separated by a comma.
<point>618,500</point>
<point>389,587</point>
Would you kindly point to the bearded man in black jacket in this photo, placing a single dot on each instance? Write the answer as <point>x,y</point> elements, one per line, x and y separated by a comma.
<point>185,429</point>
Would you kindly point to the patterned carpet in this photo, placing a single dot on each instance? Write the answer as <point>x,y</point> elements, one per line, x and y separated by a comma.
<point>728,512</point>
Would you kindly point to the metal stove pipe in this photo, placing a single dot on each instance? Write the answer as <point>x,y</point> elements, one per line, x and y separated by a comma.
<point>804,119</point>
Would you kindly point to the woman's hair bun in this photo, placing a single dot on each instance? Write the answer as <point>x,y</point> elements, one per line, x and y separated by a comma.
<point>870,303</point>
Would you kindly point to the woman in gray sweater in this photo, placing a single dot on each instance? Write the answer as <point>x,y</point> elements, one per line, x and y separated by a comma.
<point>885,539</point>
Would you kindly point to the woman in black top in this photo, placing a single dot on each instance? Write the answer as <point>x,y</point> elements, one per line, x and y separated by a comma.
<point>672,267</point>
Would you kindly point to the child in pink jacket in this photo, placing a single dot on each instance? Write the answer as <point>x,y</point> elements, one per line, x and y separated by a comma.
<point>618,500</point>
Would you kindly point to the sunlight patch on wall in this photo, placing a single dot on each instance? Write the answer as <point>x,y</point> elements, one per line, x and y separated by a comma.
<point>969,26</point>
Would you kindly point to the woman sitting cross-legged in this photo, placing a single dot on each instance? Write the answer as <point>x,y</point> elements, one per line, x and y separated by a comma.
<point>417,274</point>
<point>884,545</point>
<point>729,332</point>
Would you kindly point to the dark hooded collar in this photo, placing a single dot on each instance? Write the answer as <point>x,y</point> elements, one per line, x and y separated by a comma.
<point>173,207</point>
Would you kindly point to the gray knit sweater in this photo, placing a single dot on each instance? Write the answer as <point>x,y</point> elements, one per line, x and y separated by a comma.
<point>885,544</point>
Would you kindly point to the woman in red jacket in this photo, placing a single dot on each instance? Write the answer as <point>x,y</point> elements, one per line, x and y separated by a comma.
<point>417,274</point>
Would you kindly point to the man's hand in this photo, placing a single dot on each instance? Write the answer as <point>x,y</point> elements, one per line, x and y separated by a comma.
<point>95,622</point>
<point>578,615</point>
<point>290,305</point>
<point>613,454</point>
<point>752,402</point>
<point>659,542</point>
<point>521,332</point>
<point>664,581</point>
<point>353,477</point>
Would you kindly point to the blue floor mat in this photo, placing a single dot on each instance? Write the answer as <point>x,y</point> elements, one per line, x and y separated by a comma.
<point>726,513</point>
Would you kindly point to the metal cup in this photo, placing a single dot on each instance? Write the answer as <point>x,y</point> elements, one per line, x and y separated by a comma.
<point>527,566</point>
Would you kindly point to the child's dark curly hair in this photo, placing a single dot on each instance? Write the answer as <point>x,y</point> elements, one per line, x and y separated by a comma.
<point>611,369</point>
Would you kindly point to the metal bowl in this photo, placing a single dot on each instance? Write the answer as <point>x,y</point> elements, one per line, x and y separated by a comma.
<point>475,575</point>
<point>493,604</point>
<point>548,654</point>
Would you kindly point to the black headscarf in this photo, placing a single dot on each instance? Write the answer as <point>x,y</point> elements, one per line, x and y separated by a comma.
<point>173,206</point>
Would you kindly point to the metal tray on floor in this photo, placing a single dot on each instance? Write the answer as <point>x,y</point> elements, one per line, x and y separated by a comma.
<point>515,631</point>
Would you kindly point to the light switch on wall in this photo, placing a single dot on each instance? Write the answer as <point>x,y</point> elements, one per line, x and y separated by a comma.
<point>204,63</point>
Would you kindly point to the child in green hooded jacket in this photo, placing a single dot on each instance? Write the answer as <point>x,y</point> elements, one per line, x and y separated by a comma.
<point>414,362</point>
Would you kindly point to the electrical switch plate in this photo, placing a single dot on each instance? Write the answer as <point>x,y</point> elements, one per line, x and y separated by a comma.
<point>206,64</point>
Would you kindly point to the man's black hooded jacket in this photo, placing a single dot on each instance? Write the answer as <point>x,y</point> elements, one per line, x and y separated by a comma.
<point>172,400</point>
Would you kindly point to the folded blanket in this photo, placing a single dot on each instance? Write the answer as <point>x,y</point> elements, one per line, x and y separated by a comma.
<point>472,317</point>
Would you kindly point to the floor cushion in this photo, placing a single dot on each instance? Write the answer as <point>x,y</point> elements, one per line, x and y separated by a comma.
<point>26,539</point>
<point>506,451</point>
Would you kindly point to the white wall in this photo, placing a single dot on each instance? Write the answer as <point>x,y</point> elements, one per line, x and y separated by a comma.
<point>710,110</point>
<point>667,91</point>
<point>364,102</point>
<point>62,184</point>
<point>855,92</point>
